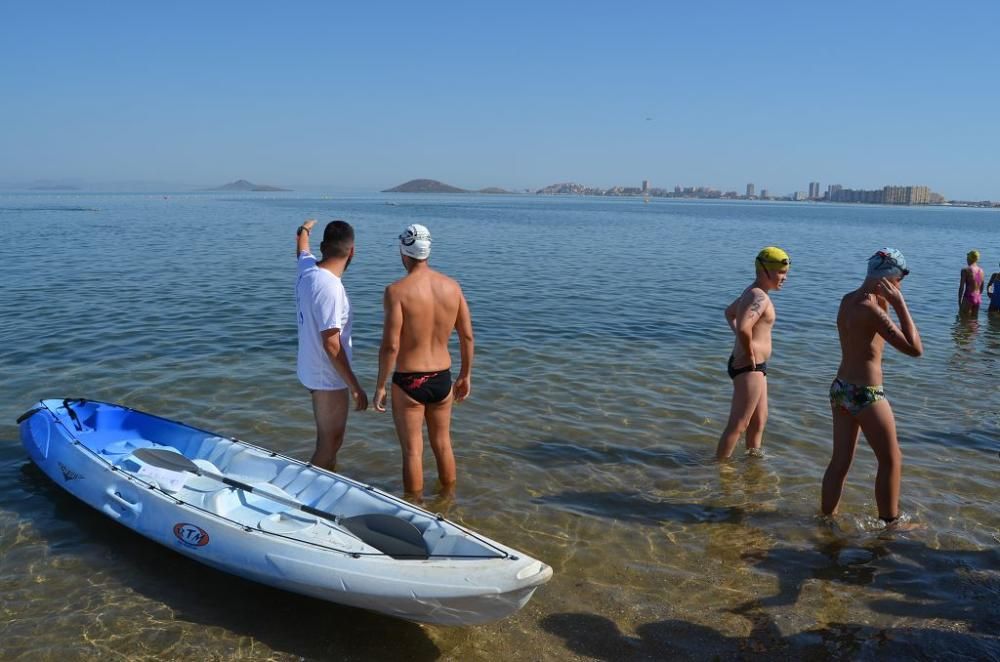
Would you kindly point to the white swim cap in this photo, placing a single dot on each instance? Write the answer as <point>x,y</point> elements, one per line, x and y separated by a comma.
<point>415,242</point>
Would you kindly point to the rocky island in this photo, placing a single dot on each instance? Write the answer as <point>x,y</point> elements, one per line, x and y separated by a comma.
<point>244,185</point>
<point>434,186</point>
<point>425,186</point>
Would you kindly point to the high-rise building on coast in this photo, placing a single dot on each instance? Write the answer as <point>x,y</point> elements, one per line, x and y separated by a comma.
<point>750,190</point>
<point>813,190</point>
<point>887,195</point>
<point>645,186</point>
<point>832,190</point>
<point>765,194</point>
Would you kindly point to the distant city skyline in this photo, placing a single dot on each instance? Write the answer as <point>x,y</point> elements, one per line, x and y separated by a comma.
<point>355,97</point>
<point>834,192</point>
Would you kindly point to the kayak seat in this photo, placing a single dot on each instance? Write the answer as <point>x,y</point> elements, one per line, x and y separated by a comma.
<point>332,496</point>
<point>201,446</point>
<point>287,475</point>
<point>304,527</point>
<point>216,450</point>
<point>315,490</point>
<point>284,523</point>
<point>228,501</point>
<point>299,480</point>
<point>203,483</point>
<point>126,446</point>
<point>248,465</point>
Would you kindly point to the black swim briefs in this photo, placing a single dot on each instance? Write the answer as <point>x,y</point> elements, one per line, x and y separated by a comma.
<point>424,387</point>
<point>733,372</point>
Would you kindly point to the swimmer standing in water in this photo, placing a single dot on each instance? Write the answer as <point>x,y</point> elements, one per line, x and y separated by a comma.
<point>970,287</point>
<point>856,395</point>
<point>993,292</point>
<point>421,311</point>
<point>751,317</point>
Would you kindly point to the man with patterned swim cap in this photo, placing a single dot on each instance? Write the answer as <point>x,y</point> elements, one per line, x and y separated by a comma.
<point>857,398</point>
<point>970,285</point>
<point>751,317</point>
<point>421,311</point>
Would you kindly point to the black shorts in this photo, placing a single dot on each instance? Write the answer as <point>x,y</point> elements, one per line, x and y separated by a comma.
<point>733,372</point>
<point>424,387</point>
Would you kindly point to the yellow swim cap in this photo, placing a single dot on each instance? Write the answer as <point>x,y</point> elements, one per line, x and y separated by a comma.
<point>972,256</point>
<point>772,256</point>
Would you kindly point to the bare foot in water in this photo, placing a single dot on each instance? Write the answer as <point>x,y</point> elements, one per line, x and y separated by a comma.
<point>901,524</point>
<point>898,525</point>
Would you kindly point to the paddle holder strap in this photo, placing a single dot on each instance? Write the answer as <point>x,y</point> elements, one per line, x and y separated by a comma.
<point>72,414</point>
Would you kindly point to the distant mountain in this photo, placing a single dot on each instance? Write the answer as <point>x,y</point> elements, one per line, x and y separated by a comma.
<point>424,186</point>
<point>244,185</point>
<point>494,189</point>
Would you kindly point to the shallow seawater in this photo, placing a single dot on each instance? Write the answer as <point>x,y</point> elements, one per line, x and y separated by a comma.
<point>599,392</point>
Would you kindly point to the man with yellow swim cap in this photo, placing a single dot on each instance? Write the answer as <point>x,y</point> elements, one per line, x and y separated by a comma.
<point>773,257</point>
<point>970,286</point>
<point>751,317</point>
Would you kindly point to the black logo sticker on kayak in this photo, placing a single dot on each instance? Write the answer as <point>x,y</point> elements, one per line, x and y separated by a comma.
<point>68,474</point>
<point>190,535</point>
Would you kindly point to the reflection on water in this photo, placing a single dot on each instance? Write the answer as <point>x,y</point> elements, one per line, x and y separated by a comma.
<point>599,394</point>
<point>992,337</point>
<point>964,330</point>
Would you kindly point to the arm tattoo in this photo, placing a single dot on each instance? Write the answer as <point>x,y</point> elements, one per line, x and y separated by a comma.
<point>888,329</point>
<point>757,304</point>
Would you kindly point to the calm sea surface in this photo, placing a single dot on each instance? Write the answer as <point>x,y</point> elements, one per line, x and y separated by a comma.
<point>599,392</point>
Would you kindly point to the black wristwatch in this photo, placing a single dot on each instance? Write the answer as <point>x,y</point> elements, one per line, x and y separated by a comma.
<point>301,229</point>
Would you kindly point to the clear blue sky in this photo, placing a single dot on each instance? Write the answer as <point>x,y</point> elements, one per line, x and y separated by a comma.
<point>366,95</point>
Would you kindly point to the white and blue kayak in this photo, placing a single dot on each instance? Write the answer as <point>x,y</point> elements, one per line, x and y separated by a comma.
<point>273,519</point>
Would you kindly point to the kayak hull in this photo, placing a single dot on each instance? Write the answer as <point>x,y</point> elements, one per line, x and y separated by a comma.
<point>466,579</point>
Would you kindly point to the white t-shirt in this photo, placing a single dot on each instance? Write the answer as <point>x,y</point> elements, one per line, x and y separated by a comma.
<point>322,304</point>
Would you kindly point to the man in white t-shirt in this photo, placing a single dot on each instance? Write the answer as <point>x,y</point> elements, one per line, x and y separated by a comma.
<point>325,320</point>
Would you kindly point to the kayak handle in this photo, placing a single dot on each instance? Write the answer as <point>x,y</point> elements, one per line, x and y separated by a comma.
<point>28,414</point>
<point>130,507</point>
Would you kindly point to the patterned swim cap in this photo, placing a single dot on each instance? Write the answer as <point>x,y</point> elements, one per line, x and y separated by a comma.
<point>415,242</point>
<point>972,256</point>
<point>887,263</point>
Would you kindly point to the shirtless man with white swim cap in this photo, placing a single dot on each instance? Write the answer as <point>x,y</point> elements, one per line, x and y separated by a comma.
<point>421,311</point>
